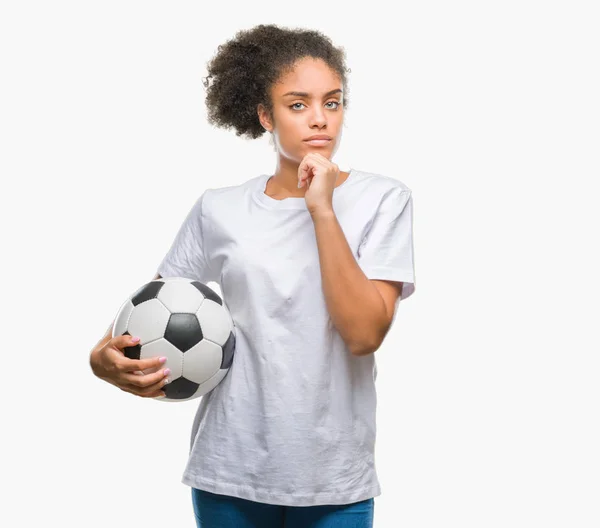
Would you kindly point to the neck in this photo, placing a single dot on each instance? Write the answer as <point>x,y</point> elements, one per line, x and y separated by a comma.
<point>285,179</point>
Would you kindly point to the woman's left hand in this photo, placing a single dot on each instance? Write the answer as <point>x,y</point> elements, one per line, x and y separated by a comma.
<point>319,175</point>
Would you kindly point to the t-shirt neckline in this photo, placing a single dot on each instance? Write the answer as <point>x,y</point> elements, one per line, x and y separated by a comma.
<point>291,202</point>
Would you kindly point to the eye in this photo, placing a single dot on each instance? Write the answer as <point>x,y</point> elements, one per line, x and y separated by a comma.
<point>337,103</point>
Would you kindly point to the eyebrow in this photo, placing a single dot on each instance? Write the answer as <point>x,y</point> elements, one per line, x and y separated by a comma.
<point>306,94</point>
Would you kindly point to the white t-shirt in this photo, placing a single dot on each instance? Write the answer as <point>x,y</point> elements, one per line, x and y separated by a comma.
<point>293,421</point>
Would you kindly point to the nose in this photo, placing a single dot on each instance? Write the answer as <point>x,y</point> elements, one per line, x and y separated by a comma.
<point>318,118</point>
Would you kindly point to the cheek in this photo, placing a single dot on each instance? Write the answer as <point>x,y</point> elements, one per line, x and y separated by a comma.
<point>290,136</point>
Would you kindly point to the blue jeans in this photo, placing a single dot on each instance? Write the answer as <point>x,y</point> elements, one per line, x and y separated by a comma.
<point>223,511</point>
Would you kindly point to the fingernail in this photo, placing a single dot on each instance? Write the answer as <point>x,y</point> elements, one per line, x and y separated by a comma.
<point>135,339</point>
<point>162,359</point>
<point>299,184</point>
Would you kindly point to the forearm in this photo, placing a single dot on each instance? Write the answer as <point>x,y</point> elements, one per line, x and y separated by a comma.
<point>355,306</point>
<point>100,344</point>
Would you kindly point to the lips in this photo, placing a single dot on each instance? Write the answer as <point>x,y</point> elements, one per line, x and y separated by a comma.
<point>317,142</point>
<point>317,137</point>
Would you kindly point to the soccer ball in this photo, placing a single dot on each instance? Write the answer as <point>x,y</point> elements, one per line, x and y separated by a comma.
<point>187,322</point>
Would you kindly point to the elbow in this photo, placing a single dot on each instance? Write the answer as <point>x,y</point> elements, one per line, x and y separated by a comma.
<point>369,346</point>
<point>365,348</point>
<point>368,338</point>
<point>361,351</point>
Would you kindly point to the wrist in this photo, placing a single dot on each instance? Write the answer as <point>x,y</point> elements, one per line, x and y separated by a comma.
<point>94,361</point>
<point>318,214</point>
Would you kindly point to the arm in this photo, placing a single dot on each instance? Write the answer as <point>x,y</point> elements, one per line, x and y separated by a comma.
<point>360,309</point>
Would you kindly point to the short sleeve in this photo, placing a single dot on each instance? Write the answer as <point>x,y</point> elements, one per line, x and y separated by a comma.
<point>187,254</point>
<point>386,251</point>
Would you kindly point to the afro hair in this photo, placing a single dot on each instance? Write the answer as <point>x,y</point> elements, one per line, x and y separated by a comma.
<point>244,68</point>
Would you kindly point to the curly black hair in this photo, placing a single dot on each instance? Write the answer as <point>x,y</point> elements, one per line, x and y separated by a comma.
<point>245,68</point>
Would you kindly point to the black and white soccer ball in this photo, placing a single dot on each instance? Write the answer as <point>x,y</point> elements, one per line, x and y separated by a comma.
<point>185,321</point>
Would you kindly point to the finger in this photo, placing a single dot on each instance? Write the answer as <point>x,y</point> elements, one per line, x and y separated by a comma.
<point>143,393</point>
<point>131,365</point>
<point>153,390</point>
<point>308,166</point>
<point>124,341</point>
<point>144,380</point>
<point>150,370</point>
<point>304,180</point>
<point>303,170</point>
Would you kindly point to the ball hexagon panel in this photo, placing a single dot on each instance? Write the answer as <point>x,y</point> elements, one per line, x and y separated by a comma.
<point>202,361</point>
<point>216,323</point>
<point>148,320</point>
<point>212,382</point>
<point>178,297</point>
<point>159,348</point>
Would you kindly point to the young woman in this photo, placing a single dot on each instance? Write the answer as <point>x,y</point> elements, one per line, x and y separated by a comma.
<point>312,262</point>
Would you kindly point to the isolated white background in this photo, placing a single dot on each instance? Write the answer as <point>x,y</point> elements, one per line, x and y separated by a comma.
<point>488,383</point>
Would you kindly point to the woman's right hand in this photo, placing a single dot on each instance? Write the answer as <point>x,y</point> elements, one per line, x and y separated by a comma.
<point>110,364</point>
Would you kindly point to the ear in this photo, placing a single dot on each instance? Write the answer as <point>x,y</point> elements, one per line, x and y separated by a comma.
<point>264,117</point>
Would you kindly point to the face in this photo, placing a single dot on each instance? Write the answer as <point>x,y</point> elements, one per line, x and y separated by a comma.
<point>296,117</point>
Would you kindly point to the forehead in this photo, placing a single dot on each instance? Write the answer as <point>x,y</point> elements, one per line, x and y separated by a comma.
<point>307,75</point>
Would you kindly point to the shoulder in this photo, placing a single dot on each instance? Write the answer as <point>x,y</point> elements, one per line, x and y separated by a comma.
<point>377,182</point>
<point>229,195</point>
<point>376,189</point>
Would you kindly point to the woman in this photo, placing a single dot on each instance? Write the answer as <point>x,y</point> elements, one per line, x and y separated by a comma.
<point>312,262</point>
